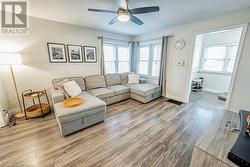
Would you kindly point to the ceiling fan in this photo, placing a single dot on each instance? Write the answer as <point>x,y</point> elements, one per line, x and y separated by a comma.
<point>125,14</point>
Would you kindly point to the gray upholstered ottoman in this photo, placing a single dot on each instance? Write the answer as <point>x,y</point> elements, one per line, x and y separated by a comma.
<point>73,119</point>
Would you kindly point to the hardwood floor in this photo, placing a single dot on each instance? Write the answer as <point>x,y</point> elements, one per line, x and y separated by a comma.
<point>134,134</point>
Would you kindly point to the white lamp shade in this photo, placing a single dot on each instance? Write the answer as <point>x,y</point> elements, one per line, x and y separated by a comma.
<point>9,59</point>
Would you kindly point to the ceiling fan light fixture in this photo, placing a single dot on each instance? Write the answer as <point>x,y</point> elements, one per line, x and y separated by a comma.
<point>125,14</point>
<point>124,17</point>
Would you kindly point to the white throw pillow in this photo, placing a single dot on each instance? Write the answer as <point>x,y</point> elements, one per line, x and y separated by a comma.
<point>60,87</point>
<point>133,78</point>
<point>72,88</point>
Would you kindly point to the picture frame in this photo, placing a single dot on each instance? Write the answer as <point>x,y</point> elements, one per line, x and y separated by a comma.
<point>90,54</point>
<point>75,53</point>
<point>57,52</point>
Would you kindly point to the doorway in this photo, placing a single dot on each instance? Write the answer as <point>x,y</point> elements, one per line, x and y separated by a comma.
<point>215,62</point>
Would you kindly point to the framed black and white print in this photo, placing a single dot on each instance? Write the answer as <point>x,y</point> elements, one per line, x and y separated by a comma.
<point>57,53</point>
<point>75,53</point>
<point>90,54</point>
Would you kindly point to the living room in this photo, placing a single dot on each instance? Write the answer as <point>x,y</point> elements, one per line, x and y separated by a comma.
<point>158,56</point>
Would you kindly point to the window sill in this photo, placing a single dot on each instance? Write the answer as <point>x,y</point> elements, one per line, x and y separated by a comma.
<point>212,72</point>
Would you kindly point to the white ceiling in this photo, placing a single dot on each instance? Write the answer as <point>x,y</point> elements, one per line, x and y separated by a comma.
<point>172,12</point>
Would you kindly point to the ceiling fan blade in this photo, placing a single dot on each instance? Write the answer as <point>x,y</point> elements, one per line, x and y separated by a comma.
<point>145,10</point>
<point>113,21</point>
<point>122,4</point>
<point>135,20</point>
<point>102,11</point>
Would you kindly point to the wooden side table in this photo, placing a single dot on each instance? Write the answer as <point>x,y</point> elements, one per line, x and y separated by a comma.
<point>35,110</point>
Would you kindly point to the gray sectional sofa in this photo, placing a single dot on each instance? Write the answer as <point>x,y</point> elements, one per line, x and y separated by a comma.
<point>97,92</point>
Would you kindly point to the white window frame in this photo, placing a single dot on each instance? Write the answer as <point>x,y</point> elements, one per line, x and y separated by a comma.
<point>225,60</point>
<point>148,61</point>
<point>151,58</point>
<point>129,57</point>
<point>116,61</point>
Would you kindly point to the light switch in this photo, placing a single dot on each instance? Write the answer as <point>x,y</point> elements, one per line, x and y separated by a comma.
<point>180,63</point>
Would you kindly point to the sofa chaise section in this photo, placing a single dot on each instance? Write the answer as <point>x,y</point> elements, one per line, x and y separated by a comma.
<point>145,92</point>
<point>70,120</point>
<point>73,119</point>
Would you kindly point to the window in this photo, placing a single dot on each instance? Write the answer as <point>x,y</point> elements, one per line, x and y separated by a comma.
<point>123,59</point>
<point>109,58</point>
<point>231,58</point>
<point>149,60</point>
<point>156,61</point>
<point>144,60</point>
<point>116,58</point>
<point>219,58</point>
<point>214,58</point>
<point>196,59</point>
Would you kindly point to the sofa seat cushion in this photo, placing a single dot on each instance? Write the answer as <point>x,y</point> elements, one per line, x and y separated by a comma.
<point>128,85</point>
<point>119,89</point>
<point>144,89</point>
<point>91,103</point>
<point>102,93</point>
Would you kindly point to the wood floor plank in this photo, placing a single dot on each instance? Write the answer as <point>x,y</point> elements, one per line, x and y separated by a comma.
<point>158,133</point>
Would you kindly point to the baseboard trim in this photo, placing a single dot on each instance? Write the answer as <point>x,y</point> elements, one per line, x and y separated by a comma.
<point>211,90</point>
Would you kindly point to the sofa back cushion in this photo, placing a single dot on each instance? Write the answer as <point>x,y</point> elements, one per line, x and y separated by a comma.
<point>113,79</point>
<point>95,81</point>
<point>78,80</point>
<point>124,77</point>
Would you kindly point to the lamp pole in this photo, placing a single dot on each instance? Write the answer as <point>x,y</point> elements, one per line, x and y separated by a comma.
<point>19,114</point>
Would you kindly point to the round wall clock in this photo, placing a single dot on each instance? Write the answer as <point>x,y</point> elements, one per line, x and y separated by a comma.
<point>179,44</point>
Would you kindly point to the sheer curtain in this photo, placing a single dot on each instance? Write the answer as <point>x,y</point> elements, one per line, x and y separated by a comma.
<point>101,55</point>
<point>134,55</point>
<point>163,65</point>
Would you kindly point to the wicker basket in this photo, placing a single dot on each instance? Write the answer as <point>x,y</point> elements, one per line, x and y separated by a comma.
<point>35,111</point>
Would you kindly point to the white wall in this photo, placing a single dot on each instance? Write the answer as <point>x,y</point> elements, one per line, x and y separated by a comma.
<point>4,103</point>
<point>36,72</point>
<point>217,83</point>
<point>199,47</point>
<point>178,77</point>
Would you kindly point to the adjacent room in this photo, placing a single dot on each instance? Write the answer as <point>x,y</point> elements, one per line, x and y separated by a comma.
<point>215,60</point>
<point>122,83</point>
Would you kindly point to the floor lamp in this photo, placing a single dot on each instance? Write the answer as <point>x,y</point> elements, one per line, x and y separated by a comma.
<point>13,59</point>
